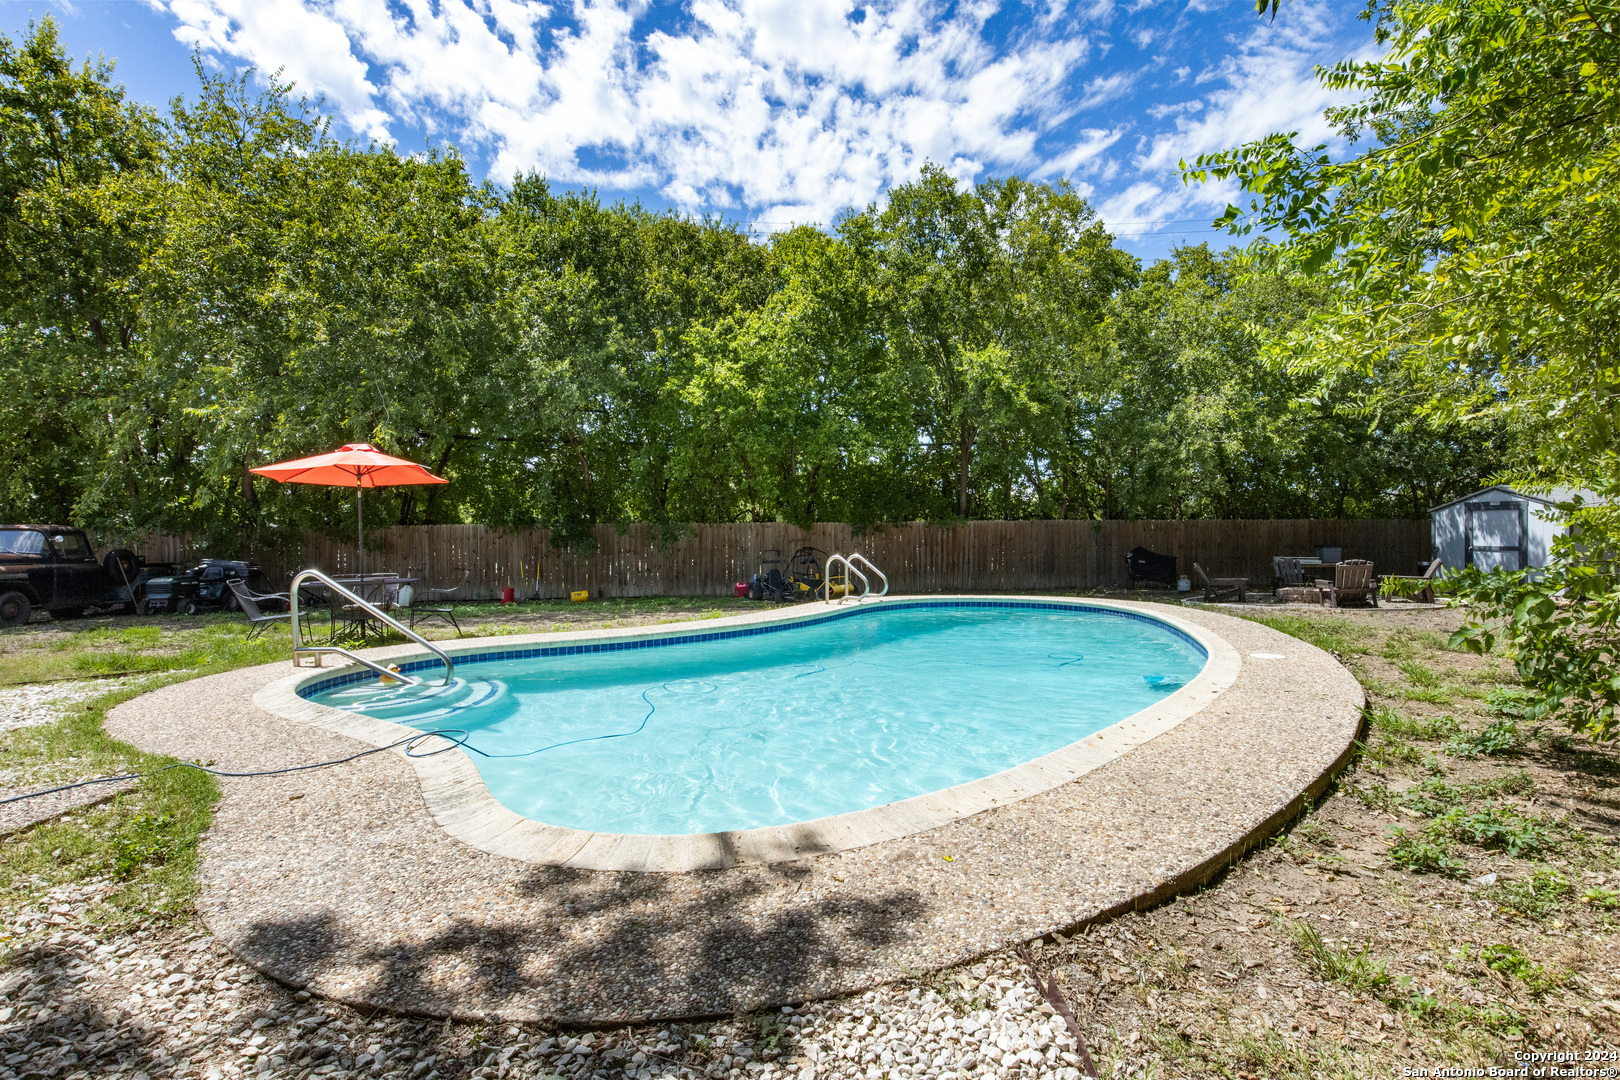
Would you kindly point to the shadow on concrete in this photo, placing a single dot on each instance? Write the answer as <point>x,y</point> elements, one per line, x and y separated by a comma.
<point>605,948</point>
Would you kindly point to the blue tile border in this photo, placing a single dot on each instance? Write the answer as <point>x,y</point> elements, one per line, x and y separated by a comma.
<point>309,690</point>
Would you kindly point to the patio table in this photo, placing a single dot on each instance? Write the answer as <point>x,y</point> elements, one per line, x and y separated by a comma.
<point>379,590</point>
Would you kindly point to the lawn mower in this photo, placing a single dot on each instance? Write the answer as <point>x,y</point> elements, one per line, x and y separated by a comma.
<point>796,579</point>
<point>202,588</point>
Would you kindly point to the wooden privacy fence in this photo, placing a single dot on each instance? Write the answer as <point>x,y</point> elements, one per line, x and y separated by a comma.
<point>976,556</point>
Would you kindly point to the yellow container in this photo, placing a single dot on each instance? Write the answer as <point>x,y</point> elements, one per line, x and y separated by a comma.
<point>579,594</point>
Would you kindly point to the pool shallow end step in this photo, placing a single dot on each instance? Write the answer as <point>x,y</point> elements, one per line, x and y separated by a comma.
<point>463,806</point>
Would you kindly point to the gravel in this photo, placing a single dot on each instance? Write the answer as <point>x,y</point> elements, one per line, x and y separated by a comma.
<point>43,703</point>
<point>178,1005</point>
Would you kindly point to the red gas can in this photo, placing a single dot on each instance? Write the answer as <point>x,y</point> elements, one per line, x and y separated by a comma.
<point>508,595</point>
<point>740,589</point>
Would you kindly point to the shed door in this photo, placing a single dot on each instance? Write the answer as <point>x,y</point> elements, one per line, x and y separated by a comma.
<point>1496,535</point>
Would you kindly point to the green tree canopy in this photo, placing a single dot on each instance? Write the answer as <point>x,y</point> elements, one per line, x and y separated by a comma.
<point>186,295</point>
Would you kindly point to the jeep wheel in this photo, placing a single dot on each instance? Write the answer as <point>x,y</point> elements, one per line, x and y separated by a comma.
<point>187,607</point>
<point>14,609</point>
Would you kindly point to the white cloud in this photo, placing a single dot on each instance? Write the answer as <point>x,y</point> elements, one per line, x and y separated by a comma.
<point>1106,88</point>
<point>792,110</point>
<point>1093,144</point>
<point>776,104</point>
<point>308,42</point>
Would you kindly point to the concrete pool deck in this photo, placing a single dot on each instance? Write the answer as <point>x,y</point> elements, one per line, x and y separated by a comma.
<point>341,881</point>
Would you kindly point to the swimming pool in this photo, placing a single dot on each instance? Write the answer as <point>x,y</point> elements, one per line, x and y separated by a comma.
<point>771,725</point>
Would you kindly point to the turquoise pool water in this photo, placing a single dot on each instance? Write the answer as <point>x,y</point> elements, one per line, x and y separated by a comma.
<point>807,721</point>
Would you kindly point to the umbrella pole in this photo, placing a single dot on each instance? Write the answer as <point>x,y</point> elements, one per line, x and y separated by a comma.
<point>360,527</point>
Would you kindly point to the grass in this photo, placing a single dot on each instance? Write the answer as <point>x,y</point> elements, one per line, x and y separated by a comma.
<point>1325,632</point>
<point>1498,738</point>
<point>1353,970</point>
<point>86,648</point>
<point>1390,721</point>
<point>1419,674</point>
<point>1511,961</point>
<point>90,648</point>
<point>144,842</point>
<point>1424,853</point>
<point>1536,896</point>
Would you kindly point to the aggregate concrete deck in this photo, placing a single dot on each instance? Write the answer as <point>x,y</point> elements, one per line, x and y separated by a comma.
<point>341,882</point>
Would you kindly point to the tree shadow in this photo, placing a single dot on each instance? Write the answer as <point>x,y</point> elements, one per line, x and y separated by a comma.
<point>599,947</point>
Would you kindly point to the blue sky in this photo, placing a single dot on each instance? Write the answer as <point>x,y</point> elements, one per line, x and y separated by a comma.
<point>772,112</point>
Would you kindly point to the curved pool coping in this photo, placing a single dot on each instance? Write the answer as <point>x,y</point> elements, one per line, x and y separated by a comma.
<point>340,882</point>
<point>462,804</point>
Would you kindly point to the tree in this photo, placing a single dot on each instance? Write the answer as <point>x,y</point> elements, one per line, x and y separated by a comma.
<point>71,148</point>
<point>1472,232</point>
<point>985,296</point>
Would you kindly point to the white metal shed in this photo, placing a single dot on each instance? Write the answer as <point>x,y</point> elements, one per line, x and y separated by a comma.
<point>1496,526</point>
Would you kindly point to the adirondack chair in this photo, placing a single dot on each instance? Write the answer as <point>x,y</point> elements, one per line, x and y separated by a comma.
<point>1422,594</point>
<point>1222,588</point>
<point>1287,571</point>
<point>1352,580</point>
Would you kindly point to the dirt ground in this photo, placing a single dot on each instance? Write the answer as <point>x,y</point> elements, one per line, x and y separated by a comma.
<point>1451,902</point>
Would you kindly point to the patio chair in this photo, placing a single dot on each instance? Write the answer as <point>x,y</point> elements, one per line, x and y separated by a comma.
<point>1421,594</point>
<point>248,601</point>
<point>1222,588</point>
<point>407,600</point>
<point>1353,581</point>
<point>1287,571</point>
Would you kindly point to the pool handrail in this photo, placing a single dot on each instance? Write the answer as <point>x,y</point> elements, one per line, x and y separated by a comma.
<point>300,649</point>
<point>873,567</point>
<point>849,568</point>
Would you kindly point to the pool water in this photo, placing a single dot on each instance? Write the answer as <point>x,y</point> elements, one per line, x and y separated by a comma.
<point>805,722</point>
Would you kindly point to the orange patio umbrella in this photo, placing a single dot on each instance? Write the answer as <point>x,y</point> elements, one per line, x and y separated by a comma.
<point>358,464</point>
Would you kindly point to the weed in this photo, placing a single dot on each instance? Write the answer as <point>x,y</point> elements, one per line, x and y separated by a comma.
<point>1430,798</point>
<point>1512,702</point>
<point>772,1030</point>
<point>1429,695</point>
<point>1535,896</point>
<point>1392,751</point>
<point>961,992</point>
<point>1514,783</point>
<point>1419,674</point>
<point>1559,742</point>
<point>1422,853</point>
<point>1497,827</point>
<point>1602,899</point>
<point>1314,832</point>
<point>1357,971</point>
<point>1500,737</point>
<point>1437,1012</point>
<point>1390,721</point>
<point>144,839</point>
<point>1375,796</point>
<point>1510,961</point>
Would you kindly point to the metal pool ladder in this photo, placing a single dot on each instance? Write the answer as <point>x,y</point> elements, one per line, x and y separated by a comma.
<point>848,562</point>
<point>300,649</point>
